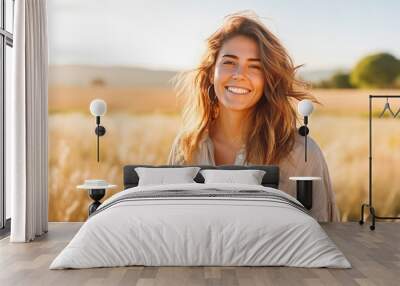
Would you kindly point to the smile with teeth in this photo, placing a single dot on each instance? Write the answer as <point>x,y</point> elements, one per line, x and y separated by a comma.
<point>237,90</point>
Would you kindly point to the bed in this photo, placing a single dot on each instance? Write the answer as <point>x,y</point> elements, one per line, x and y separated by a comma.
<point>201,224</point>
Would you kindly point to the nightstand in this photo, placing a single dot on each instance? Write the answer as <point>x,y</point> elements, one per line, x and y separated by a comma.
<point>97,190</point>
<point>304,190</point>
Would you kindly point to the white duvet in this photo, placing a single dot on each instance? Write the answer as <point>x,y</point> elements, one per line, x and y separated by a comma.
<point>200,231</point>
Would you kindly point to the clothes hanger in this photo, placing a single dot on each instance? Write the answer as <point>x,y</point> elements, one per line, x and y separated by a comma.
<point>387,107</point>
<point>398,112</point>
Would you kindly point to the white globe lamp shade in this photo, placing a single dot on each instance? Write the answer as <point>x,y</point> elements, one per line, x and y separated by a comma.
<point>305,107</point>
<point>98,107</point>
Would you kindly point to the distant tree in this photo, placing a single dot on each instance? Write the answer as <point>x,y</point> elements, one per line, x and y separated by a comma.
<point>338,80</point>
<point>375,71</point>
<point>341,80</point>
<point>323,84</point>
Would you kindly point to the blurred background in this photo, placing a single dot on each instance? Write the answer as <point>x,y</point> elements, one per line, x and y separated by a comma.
<point>126,52</point>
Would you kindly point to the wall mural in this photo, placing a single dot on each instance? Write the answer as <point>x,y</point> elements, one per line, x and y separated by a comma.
<point>116,54</point>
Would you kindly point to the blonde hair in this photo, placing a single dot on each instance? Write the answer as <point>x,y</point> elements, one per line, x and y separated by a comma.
<point>273,119</point>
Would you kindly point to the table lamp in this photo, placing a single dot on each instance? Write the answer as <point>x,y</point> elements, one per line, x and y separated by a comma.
<point>98,107</point>
<point>304,185</point>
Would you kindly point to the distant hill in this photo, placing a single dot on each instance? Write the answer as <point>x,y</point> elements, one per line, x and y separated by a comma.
<point>84,76</point>
<point>114,76</point>
<point>315,76</point>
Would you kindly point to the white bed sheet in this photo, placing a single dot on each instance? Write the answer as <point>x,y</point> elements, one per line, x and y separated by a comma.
<point>200,231</point>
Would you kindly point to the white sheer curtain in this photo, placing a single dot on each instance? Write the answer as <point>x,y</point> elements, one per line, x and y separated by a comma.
<point>26,123</point>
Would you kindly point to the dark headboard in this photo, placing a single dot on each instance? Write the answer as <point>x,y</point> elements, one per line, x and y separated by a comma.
<point>270,179</point>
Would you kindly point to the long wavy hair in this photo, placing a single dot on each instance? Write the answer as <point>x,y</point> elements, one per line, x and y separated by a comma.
<point>273,118</point>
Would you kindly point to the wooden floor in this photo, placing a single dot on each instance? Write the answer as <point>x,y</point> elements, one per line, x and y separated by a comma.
<point>374,255</point>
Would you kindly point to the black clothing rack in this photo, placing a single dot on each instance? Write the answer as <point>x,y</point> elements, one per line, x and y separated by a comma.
<point>369,205</point>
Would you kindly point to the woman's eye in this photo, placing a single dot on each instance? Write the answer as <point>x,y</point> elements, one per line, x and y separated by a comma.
<point>228,63</point>
<point>256,67</point>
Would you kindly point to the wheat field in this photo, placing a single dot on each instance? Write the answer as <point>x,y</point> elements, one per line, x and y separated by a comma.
<point>340,127</point>
<point>141,139</point>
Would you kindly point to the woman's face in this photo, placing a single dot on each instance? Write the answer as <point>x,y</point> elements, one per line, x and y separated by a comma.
<point>238,77</point>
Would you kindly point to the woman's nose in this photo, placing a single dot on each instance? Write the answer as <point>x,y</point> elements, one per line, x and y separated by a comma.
<point>239,72</point>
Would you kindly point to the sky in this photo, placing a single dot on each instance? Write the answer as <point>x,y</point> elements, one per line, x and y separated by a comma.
<point>171,34</point>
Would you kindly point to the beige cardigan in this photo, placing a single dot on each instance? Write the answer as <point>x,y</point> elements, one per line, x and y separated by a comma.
<point>324,205</point>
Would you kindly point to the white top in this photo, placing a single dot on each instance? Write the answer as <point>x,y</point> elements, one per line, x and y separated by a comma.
<point>324,208</point>
<point>304,178</point>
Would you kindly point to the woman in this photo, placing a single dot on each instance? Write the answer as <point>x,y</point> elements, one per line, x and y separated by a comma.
<point>238,110</point>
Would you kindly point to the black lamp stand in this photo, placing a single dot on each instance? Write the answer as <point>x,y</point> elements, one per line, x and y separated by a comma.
<point>304,187</point>
<point>100,131</point>
<point>303,131</point>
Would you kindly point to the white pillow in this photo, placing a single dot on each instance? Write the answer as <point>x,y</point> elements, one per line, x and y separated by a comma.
<point>249,177</point>
<point>162,176</point>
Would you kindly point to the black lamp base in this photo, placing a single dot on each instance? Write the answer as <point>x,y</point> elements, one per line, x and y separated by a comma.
<point>96,195</point>
<point>304,193</point>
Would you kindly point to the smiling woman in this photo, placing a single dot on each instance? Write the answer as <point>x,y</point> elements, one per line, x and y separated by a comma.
<point>238,109</point>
